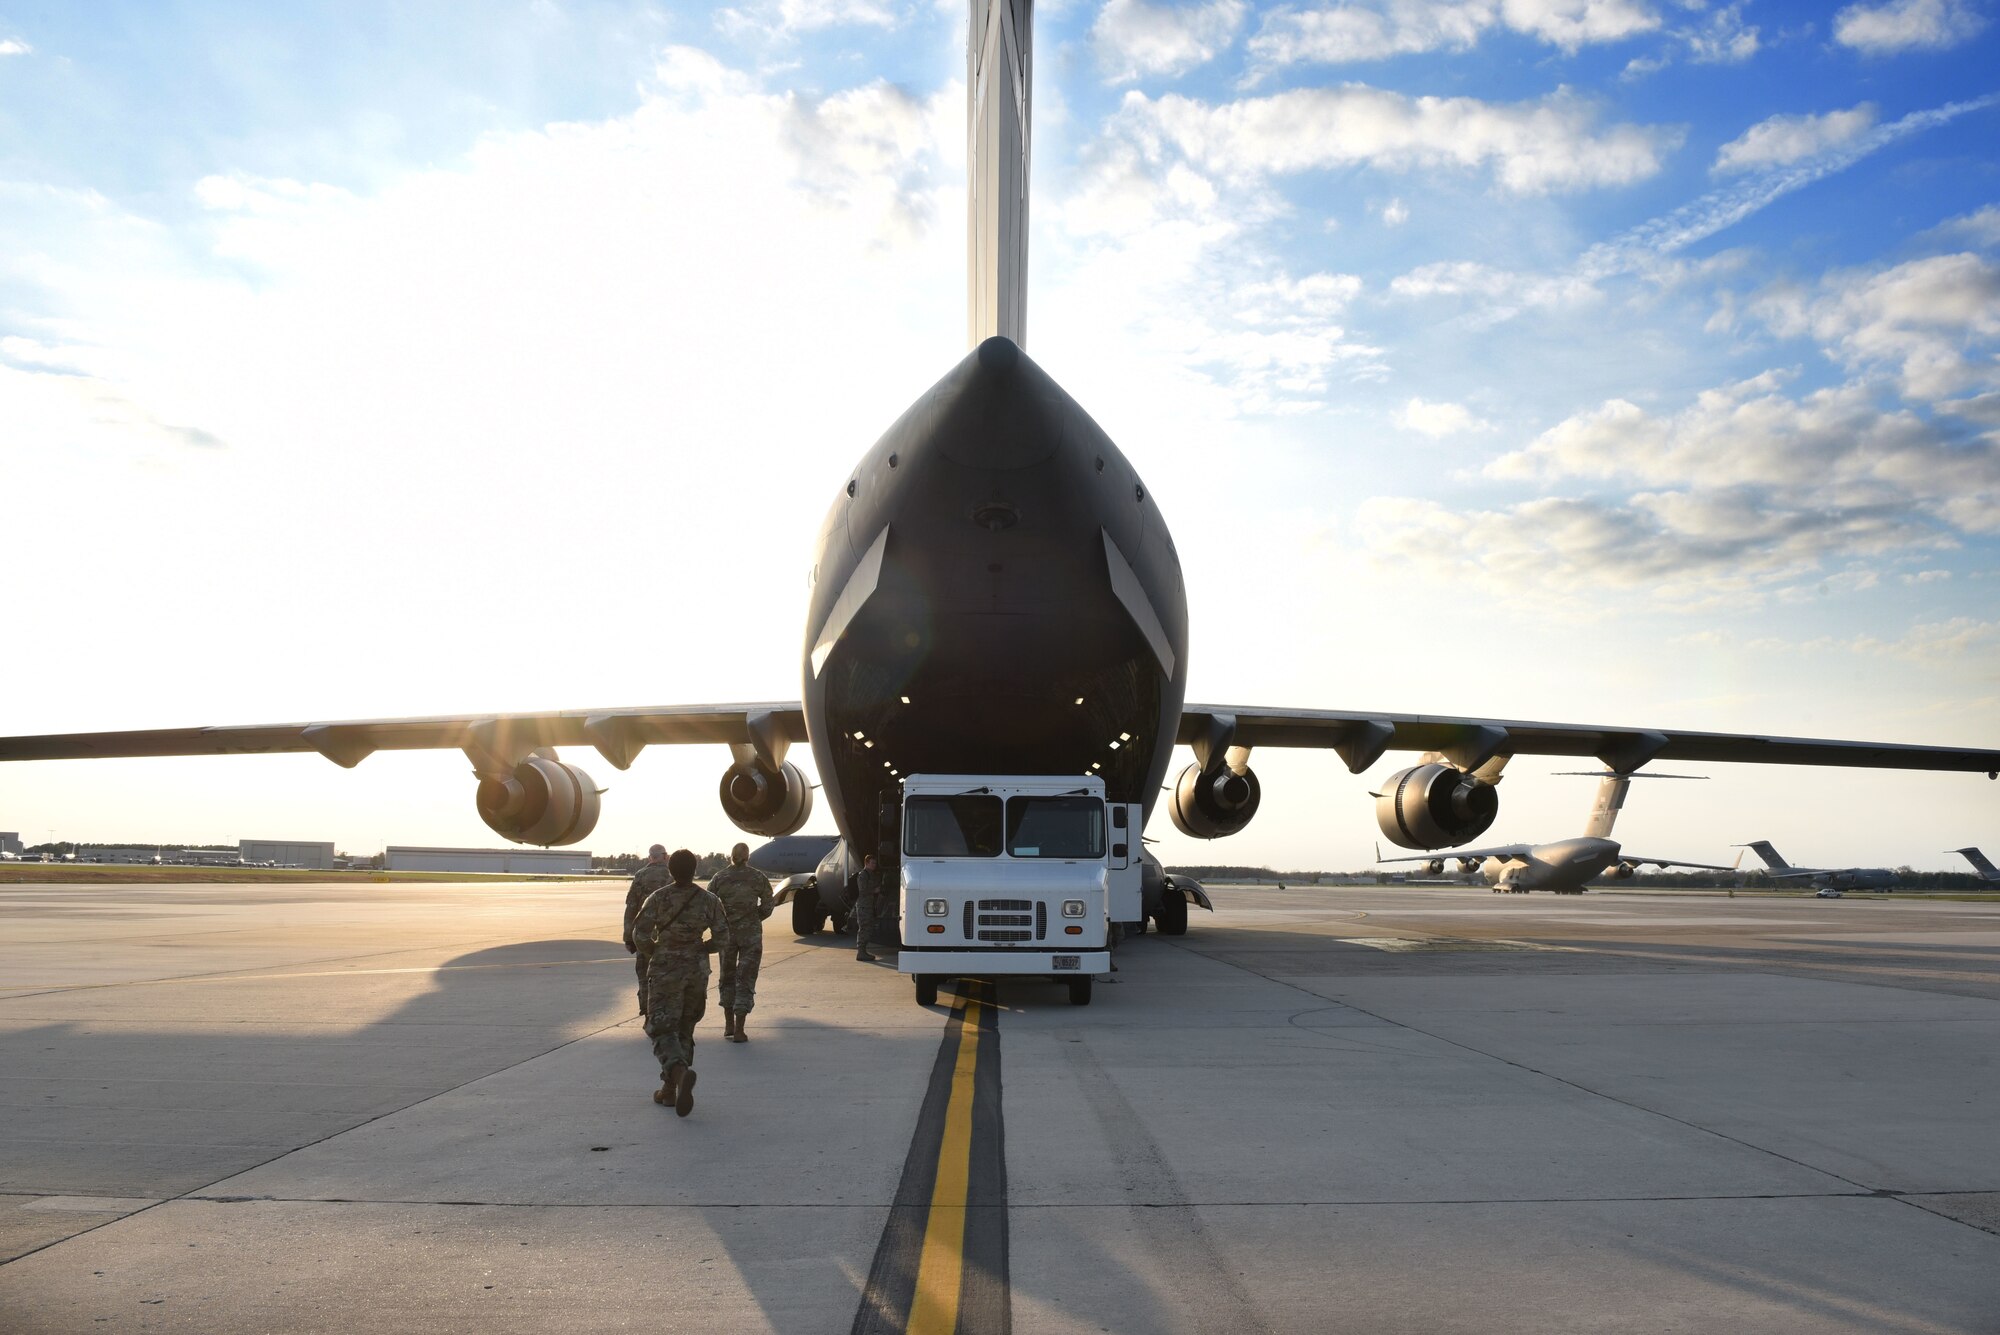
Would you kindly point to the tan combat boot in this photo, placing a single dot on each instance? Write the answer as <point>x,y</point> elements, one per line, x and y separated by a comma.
<point>742,1018</point>
<point>729,1025</point>
<point>669,1089</point>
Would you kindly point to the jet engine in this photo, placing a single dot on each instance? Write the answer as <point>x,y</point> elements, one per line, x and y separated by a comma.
<point>767,802</point>
<point>1435,806</point>
<point>1214,806</point>
<point>1467,866</point>
<point>1435,867</point>
<point>544,801</point>
<point>1619,871</point>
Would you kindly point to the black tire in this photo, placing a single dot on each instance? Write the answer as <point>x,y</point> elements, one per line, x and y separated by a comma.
<point>807,916</point>
<point>1171,917</point>
<point>926,989</point>
<point>1079,989</point>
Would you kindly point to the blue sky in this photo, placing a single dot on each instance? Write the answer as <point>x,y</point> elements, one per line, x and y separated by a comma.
<point>1617,360</point>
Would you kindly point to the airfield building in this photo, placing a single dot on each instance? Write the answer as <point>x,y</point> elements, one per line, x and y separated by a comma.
<point>287,853</point>
<point>10,842</point>
<point>537,861</point>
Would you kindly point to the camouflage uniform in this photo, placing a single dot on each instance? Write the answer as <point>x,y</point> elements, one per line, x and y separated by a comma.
<point>745,893</point>
<point>868,889</point>
<point>677,969</point>
<point>651,876</point>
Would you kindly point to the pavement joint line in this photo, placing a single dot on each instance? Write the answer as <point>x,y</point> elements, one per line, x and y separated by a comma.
<point>317,1140</point>
<point>1913,1197</point>
<point>1550,1076</point>
<point>225,975</point>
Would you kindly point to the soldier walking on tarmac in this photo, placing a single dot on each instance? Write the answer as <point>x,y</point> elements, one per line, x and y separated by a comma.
<point>668,933</point>
<point>868,887</point>
<point>651,876</point>
<point>745,893</point>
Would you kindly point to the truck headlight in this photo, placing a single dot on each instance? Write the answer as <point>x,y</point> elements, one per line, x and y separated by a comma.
<point>1072,908</point>
<point>934,908</point>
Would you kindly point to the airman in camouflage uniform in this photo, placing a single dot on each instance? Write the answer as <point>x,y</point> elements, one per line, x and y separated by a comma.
<point>651,876</point>
<point>668,931</point>
<point>867,902</point>
<point>745,893</point>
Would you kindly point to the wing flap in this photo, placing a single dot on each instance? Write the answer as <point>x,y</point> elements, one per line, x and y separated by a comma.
<point>1622,749</point>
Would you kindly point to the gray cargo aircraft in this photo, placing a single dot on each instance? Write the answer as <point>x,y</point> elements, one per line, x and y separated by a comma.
<point>1825,878</point>
<point>1568,865</point>
<point>1987,871</point>
<point>994,590</point>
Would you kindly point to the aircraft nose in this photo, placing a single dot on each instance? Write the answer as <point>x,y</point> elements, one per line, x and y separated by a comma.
<point>1000,410</point>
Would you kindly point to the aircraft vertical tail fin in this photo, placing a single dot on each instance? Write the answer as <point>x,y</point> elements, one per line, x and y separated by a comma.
<point>1610,801</point>
<point>1980,863</point>
<point>999,66</point>
<point>1769,854</point>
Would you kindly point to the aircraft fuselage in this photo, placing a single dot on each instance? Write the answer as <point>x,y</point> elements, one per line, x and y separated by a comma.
<point>994,591</point>
<point>1567,864</point>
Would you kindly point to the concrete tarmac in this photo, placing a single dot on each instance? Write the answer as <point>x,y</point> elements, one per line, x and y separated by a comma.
<point>426,1107</point>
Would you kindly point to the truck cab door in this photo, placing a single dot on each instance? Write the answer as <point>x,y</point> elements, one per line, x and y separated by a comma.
<point>1123,867</point>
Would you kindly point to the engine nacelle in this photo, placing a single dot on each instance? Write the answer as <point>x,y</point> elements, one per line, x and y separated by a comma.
<point>543,802</point>
<point>1435,867</point>
<point>1467,866</point>
<point>1214,806</point>
<point>1619,871</point>
<point>765,802</point>
<point>1435,806</point>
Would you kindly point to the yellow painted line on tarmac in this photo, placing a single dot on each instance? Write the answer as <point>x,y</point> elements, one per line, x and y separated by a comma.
<point>941,1264</point>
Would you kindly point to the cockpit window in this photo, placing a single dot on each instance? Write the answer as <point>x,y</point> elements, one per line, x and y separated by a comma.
<point>967,826</point>
<point>1055,827</point>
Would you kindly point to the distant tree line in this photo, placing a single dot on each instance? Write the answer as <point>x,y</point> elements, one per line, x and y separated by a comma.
<point>709,864</point>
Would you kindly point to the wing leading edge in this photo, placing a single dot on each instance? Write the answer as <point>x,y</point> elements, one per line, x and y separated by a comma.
<point>763,731</point>
<point>1362,738</point>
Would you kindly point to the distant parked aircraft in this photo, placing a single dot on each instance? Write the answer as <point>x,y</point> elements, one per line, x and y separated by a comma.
<point>1826,878</point>
<point>1568,864</point>
<point>1987,871</point>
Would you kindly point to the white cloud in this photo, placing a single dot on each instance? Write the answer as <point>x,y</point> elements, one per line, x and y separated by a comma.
<point>1133,39</point>
<point>1927,577</point>
<point>1503,292</point>
<point>1782,140</point>
<point>1906,25</point>
<point>786,17</point>
<point>1345,33</point>
<point>1438,419</point>
<point>1982,227</point>
<point>1547,145</point>
<point>1395,213</point>
<point>1724,40</point>
<point>13,46</point>
<point>1933,322</point>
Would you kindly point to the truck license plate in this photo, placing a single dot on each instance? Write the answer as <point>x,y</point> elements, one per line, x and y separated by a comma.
<point>1069,961</point>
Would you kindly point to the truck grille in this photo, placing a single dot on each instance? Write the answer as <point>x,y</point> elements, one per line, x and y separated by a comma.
<point>1002,920</point>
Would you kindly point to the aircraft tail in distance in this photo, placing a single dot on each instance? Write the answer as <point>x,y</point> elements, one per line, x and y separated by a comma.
<point>1980,863</point>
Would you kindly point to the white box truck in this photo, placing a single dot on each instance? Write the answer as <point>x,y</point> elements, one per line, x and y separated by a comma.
<point>1014,876</point>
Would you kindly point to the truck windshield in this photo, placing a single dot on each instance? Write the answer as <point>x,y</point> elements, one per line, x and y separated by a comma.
<point>967,826</point>
<point>1055,827</point>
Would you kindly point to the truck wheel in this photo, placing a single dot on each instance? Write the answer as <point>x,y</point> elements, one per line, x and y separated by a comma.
<point>1079,991</point>
<point>926,989</point>
<point>1171,917</point>
<point>807,916</point>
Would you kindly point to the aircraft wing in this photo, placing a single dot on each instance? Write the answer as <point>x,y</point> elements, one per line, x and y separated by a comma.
<point>1361,739</point>
<point>1669,862</point>
<point>1451,854</point>
<point>618,734</point>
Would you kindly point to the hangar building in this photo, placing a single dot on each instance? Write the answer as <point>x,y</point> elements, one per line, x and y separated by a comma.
<point>10,842</point>
<point>287,853</point>
<point>539,861</point>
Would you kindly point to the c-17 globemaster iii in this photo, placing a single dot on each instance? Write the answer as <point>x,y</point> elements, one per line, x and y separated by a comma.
<point>994,590</point>
<point>1825,878</point>
<point>1980,863</point>
<point>1567,865</point>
